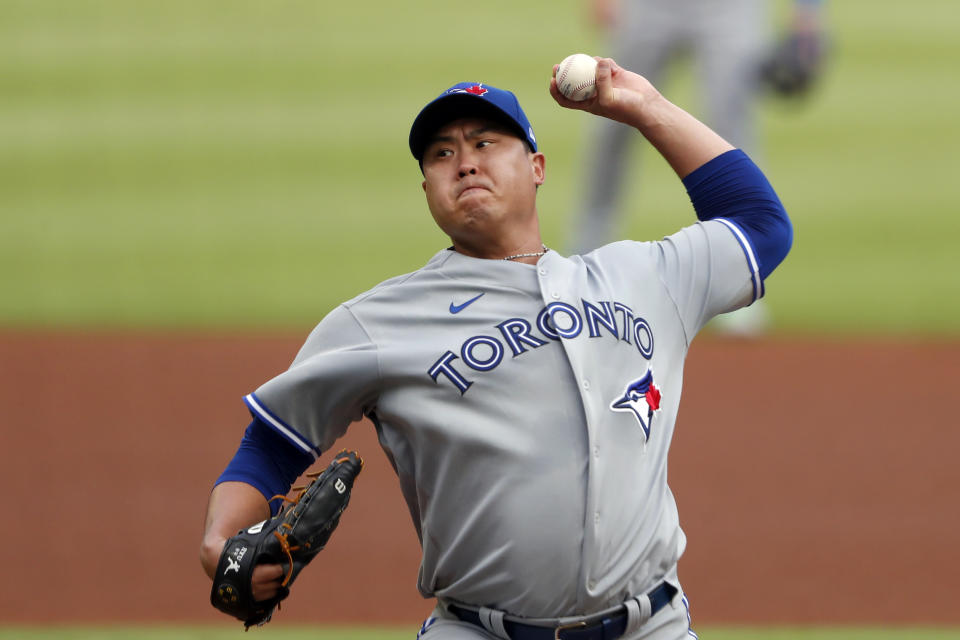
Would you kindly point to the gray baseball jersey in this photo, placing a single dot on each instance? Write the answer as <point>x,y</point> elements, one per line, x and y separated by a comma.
<point>527,410</point>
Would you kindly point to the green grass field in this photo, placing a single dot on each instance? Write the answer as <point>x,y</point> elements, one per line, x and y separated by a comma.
<point>346,633</point>
<point>210,163</point>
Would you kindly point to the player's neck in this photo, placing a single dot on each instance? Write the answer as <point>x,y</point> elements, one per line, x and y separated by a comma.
<point>529,251</point>
<point>517,242</point>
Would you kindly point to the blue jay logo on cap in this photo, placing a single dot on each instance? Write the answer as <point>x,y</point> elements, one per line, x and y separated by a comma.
<point>476,90</point>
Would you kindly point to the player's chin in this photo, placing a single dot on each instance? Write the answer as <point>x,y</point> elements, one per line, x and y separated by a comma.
<point>477,223</point>
<point>475,203</point>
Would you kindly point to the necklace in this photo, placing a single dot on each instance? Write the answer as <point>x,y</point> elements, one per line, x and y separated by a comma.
<point>528,255</point>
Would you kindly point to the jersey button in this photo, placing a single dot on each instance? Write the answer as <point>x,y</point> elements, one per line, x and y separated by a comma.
<point>586,384</point>
<point>596,452</point>
<point>543,271</point>
<point>596,518</point>
<point>555,295</point>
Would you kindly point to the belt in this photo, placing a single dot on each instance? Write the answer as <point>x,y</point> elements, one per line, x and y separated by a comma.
<point>608,627</point>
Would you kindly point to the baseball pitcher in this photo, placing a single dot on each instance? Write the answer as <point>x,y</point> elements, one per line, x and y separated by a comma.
<point>526,400</point>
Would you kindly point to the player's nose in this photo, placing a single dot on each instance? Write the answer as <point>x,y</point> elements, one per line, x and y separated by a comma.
<point>468,162</point>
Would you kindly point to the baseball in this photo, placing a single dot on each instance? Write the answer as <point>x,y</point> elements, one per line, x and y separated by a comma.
<point>577,77</point>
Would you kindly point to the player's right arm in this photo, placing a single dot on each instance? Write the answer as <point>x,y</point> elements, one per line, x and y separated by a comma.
<point>234,506</point>
<point>265,465</point>
<point>297,414</point>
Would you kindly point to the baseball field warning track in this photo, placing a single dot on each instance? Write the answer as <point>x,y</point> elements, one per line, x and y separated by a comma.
<point>816,481</point>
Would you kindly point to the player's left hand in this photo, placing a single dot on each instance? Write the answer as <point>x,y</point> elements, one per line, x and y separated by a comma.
<point>621,94</point>
<point>257,566</point>
<point>266,581</point>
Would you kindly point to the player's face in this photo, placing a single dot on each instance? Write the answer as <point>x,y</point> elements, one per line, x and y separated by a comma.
<point>481,184</point>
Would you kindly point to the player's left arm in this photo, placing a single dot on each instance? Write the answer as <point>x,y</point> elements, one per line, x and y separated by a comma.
<point>723,183</point>
<point>732,190</point>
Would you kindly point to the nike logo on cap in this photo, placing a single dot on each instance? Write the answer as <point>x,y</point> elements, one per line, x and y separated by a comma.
<point>457,308</point>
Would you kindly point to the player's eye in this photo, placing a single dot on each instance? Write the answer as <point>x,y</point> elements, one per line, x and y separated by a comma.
<point>484,143</point>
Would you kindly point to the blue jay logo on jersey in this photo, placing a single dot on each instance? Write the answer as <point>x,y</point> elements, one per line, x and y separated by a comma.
<point>642,398</point>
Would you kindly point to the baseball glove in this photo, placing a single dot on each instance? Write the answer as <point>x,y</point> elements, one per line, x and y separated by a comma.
<point>291,538</point>
<point>794,65</point>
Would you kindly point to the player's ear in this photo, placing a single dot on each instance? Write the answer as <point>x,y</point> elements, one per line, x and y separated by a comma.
<point>423,185</point>
<point>538,164</point>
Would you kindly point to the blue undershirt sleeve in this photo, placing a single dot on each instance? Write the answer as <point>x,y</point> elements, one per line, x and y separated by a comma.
<point>267,461</point>
<point>732,188</point>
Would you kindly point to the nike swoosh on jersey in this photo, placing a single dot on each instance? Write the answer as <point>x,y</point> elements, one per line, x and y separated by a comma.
<point>457,308</point>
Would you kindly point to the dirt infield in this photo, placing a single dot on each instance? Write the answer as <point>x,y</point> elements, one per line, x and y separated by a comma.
<point>817,482</point>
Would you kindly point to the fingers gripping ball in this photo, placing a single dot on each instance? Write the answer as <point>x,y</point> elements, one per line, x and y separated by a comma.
<point>291,538</point>
<point>577,77</point>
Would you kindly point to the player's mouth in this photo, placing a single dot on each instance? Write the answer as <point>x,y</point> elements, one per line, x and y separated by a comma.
<point>472,189</point>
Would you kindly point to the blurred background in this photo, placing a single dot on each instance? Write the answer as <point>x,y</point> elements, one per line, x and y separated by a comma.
<point>183,164</point>
<point>186,188</point>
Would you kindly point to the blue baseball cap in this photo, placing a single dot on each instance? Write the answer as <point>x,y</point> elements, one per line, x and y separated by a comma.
<point>467,99</point>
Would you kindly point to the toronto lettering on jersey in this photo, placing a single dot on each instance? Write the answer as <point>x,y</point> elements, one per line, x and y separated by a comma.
<point>556,321</point>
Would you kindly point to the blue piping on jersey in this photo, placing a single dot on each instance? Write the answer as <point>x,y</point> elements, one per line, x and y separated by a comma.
<point>259,410</point>
<point>686,605</point>
<point>751,257</point>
